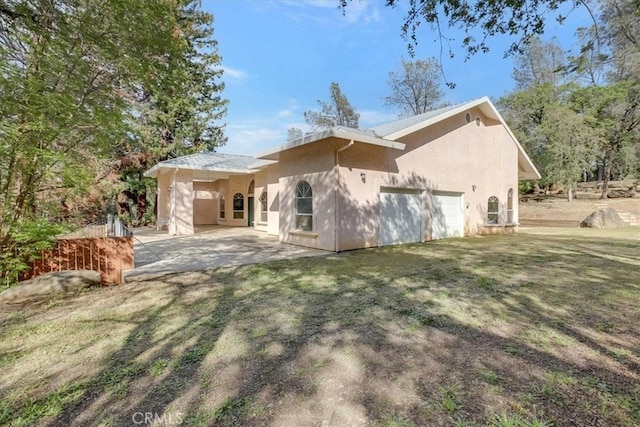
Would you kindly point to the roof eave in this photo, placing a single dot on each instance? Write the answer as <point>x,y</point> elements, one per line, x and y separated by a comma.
<point>262,164</point>
<point>450,113</point>
<point>358,137</point>
<point>334,132</point>
<point>155,171</point>
<point>528,175</point>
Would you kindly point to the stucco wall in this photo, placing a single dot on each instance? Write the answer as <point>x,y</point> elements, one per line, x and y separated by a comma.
<point>235,184</point>
<point>223,191</point>
<point>456,156</point>
<point>181,221</point>
<point>260,187</point>
<point>163,207</point>
<point>268,180</point>
<point>477,160</point>
<point>313,163</point>
<point>205,203</point>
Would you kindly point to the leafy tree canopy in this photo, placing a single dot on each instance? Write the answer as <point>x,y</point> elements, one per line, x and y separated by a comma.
<point>294,133</point>
<point>337,112</point>
<point>415,87</point>
<point>86,83</point>
<point>525,18</point>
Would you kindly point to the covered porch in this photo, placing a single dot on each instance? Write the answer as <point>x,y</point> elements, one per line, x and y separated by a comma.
<point>203,189</point>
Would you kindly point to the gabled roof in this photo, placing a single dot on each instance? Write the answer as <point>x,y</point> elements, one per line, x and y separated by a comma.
<point>400,128</point>
<point>398,125</point>
<point>342,132</point>
<point>218,165</point>
<point>206,161</point>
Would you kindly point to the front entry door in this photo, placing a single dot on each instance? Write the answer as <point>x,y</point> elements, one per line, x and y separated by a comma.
<point>250,201</point>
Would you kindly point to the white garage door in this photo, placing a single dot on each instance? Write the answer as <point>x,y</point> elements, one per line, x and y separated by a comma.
<point>400,216</point>
<point>447,216</point>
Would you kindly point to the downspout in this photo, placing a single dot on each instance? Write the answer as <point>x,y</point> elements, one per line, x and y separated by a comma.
<point>336,204</point>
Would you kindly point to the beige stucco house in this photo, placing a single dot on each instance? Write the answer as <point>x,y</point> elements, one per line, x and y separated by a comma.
<point>446,173</point>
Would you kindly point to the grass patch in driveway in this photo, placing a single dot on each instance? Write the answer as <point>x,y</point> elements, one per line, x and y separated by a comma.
<point>492,330</point>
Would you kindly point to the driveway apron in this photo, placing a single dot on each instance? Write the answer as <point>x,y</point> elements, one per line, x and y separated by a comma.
<point>157,253</point>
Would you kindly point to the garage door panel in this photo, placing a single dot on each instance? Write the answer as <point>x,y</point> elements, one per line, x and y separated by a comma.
<point>400,218</point>
<point>447,216</point>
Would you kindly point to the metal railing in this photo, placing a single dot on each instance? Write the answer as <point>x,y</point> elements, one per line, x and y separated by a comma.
<point>109,227</point>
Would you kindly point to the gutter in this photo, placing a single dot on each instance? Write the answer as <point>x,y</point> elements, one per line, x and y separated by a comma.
<point>336,204</point>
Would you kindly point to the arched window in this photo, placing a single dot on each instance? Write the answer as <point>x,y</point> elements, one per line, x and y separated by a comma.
<point>238,206</point>
<point>263,206</point>
<point>492,210</point>
<point>304,206</point>
<point>222,208</point>
<point>510,206</point>
<point>252,186</point>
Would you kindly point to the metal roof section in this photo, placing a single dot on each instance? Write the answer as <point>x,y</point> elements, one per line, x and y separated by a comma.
<point>342,132</point>
<point>391,128</point>
<point>206,161</point>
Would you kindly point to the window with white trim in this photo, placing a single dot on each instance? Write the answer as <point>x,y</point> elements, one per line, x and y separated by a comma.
<point>304,206</point>
<point>263,206</point>
<point>222,208</point>
<point>492,210</point>
<point>238,206</point>
<point>510,206</point>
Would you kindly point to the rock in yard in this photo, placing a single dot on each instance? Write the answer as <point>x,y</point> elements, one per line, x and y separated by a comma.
<point>45,285</point>
<point>603,218</point>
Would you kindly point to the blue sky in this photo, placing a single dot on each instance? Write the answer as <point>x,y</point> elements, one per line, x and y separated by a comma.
<point>280,57</point>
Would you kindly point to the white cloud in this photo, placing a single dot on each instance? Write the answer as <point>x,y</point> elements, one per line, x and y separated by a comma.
<point>252,136</point>
<point>314,3</point>
<point>371,118</point>
<point>285,113</point>
<point>234,75</point>
<point>362,11</point>
<point>250,139</point>
<point>308,11</point>
<point>292,109</point>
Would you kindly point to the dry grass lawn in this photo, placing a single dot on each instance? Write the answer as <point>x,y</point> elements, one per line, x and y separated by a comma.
<point>558,210</point>
<point>540,328</point>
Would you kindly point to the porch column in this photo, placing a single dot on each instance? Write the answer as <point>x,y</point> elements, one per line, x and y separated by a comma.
<point>181,201</point>
<point>164,198</point>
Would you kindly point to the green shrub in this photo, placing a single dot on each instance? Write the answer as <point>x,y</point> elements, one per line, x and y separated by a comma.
<point>525,187</point>
<point>23,244</point>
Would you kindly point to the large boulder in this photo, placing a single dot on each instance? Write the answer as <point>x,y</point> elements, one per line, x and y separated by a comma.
<point>603,218</point>
<point>43,286</point>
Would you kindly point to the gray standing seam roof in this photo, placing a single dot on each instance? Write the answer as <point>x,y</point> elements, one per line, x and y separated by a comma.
<point>392,127</point>
<point>211,160</point>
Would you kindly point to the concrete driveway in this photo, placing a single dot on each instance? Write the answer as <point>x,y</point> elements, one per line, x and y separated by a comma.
<point>157,253</point>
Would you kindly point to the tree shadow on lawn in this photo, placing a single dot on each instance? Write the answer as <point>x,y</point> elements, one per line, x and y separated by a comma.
<point>418,334</point>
